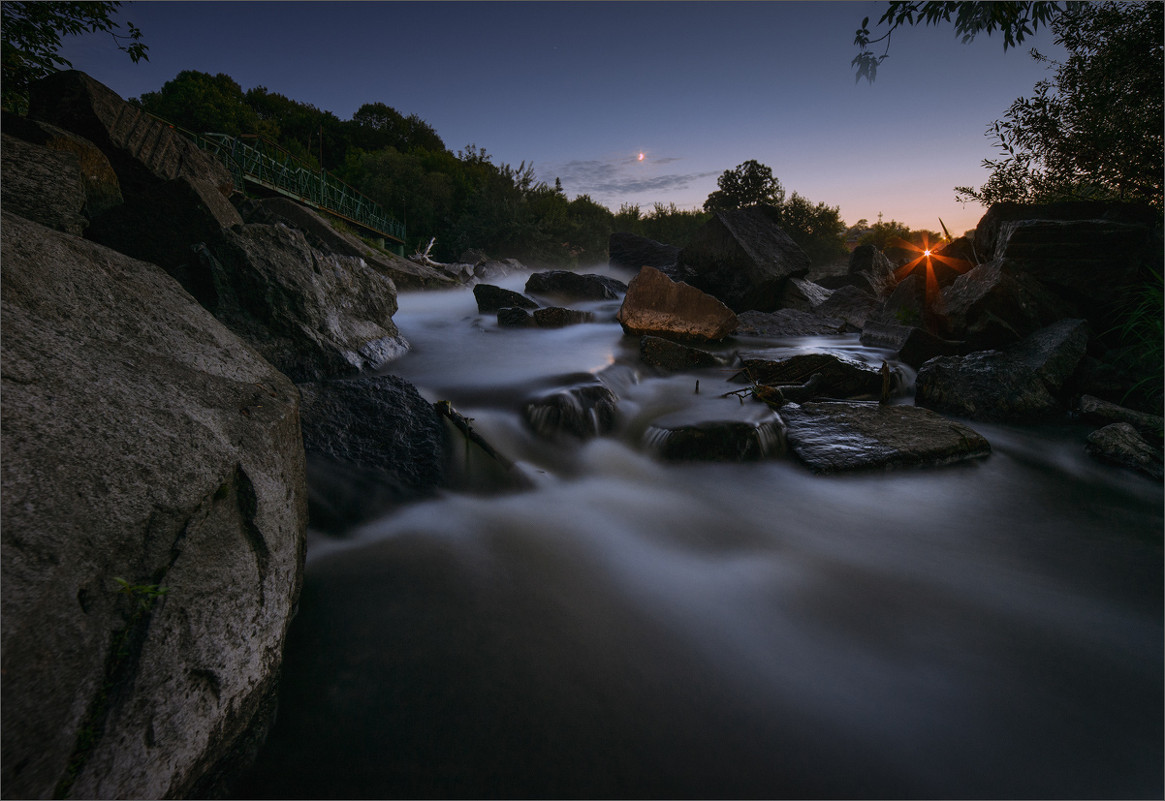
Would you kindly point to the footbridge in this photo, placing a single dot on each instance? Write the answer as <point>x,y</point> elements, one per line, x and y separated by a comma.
<point>254,160</point>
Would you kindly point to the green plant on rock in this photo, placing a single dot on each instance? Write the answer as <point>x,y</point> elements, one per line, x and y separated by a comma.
<point>145,595</point>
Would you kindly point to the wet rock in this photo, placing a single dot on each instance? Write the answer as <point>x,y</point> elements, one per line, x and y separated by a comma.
<point>654,304</point>
<point>834,437</point>
<point>492,298</point>
<point>631,252</point>
<point>989,228</point>
<point>584,411</point>
<point>371,442</point>
<point>996,304</point>
<point>743,258</point>
<point>1121,444</point>
<point>143,441</point>
<point>1092,408</point>
<point>911,344</point>
<point>660,352</point>
<point>558,317</point>
<point>1020,382</point>
<point>322,236</point>
<point>852,304</point>
<point>757,433</point>
<point>312,315</point>
<point>787,323</point>
<point>841,377</point>
<point>175,193</point>
<point>513,317</point>
<point>575,286</point>
<point>43,185</point>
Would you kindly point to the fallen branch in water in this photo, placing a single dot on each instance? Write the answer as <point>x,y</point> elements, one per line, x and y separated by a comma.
<point>446,410</point>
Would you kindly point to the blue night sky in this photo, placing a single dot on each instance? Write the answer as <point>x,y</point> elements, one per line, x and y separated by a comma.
<point>581,89</point>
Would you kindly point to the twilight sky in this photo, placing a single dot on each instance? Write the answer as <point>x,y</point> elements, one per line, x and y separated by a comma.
<point>582,88</point>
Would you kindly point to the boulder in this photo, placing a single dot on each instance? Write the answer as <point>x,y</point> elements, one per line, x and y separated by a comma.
<point>1091,408</point>
<point>558,317</point>
<point>987,232</point>
<point>1020,382</point>
<point>98,178</point>
<point>655,304</point>
<point>841,377</point>
<point>803,295</point>
<point>175,193</point>
<point>743,258</point>
<point>910,344</point>
<point>325,237</point>
<point>491,298</point>
<point>584,410</point>
<point>371,442</point>
<point>513,317</point>
<point>852,304</point>
<point>1121,444</point>
<point>996,304</point>
<point>153,509</point>
<point>907,304</point>
<point>631,251</point>
<point>43,185</point>
<point>575,286</point>
<point>787,323</point>
<point>834,437</point>
<point>868,260</point>
<point>312,315</point>
<point>660,352</point>
<point>734,434</point>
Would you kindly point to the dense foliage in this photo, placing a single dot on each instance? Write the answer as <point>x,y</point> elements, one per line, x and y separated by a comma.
<point>1095,130</point>
<point>32,34</point>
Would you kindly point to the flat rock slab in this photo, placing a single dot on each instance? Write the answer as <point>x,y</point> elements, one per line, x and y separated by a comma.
<point>835,437</point>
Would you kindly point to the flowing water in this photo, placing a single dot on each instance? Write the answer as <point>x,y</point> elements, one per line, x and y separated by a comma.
<point>635,628</point>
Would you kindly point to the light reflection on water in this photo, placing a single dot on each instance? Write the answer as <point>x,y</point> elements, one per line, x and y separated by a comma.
<point>637,629</point>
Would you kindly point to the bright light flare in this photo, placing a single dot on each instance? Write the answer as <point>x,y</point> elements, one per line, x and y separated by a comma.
<point>925,255</point>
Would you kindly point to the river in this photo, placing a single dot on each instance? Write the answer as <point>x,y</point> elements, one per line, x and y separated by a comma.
<point>635,628</point>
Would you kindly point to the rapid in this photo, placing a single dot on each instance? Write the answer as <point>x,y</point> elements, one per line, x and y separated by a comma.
<point>629,627</point>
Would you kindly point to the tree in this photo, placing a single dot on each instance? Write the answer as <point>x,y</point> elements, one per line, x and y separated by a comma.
<point>1095,130</point>
<point>817,229</point>
<point>201,102</point>
<point>32,34</point>
<point>1016,20</point>
<point>749,184</point>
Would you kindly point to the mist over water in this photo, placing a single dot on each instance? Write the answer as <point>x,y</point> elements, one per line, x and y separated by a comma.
<point>633,628</point>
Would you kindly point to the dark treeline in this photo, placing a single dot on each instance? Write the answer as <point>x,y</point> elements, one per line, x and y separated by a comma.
<point>463,200</point>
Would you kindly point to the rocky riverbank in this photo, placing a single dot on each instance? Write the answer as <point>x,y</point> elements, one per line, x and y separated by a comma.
<point>189,376</point>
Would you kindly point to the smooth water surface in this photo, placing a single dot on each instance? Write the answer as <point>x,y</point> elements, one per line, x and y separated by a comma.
<point>631,628</point>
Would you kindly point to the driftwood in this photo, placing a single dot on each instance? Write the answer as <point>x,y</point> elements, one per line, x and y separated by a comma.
<point>462,423</point>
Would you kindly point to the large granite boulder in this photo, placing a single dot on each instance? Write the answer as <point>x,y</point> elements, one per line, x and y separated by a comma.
<point>153,509</point>
<point>175,194</point>
<point>655,304</point>
<point>43,185</point>
<point>743,258</point>
<point>1022,381</point>
<point>568,285</point>
<point>325,237</point>
<point>631,251</point>
<point>313,315</point>
<point>852,304</point>
<point>834,437</point>
<point>987,233</point>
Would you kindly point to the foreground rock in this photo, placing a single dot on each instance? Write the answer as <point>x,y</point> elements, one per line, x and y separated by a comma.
<point>1152,425</point>
<point>313,315</point>
<point>1121,444</point>
<point>583,410</point>
<point>660,352</point>
<point>833,437</point>
<point>655,304</point>
<point>371,442</point>
<point>731,433</point>
<point>840,377</point>
<point>143,443</point>
<point>492,298</point>
<point>43,185</point>
<point>1020,382</point>
<point>743,258</point>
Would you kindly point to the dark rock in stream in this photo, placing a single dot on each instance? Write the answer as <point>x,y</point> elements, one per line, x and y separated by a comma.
<point>1020,382</point>
<point>558,317</point>
<point>584,411</point>
<point>852,304</point>
<point>911,344</point>
<point>492,298</point>
<point>841,377</point>
<point>575,286</point>
<point>1121,444</point>
<point>677,438</point>
<point>803,295</point>
<point>787,323</point>
<point>834,437</point>
<point>1151,425</point>
<point>514,317</point>
<point>660,352</point>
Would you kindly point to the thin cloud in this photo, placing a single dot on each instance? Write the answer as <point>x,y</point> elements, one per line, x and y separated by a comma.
<point>618,178</point>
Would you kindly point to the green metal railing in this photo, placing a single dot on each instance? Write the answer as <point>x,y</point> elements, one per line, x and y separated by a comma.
<point>253,159</point>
